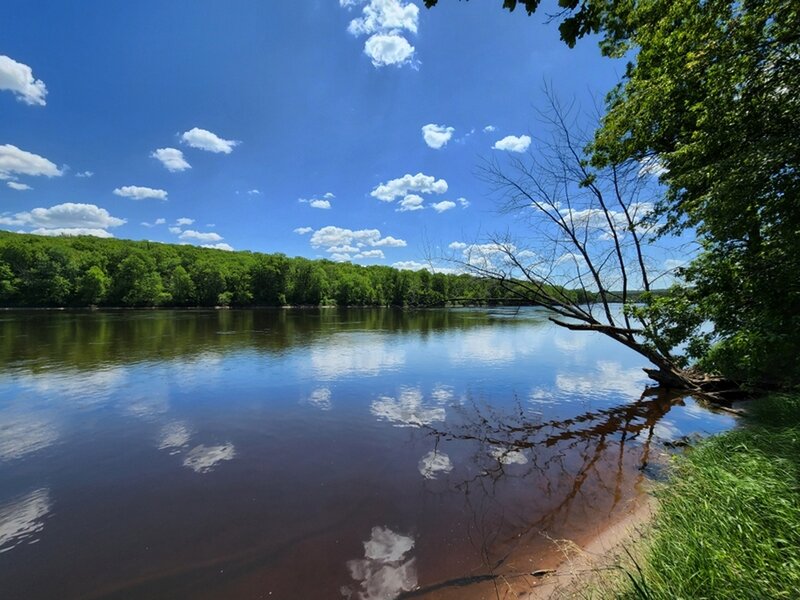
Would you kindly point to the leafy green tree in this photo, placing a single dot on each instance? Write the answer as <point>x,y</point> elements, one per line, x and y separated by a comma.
<point>93,286</point>
<point>209,281</point>
<point>181,287</point>
<point>8,283</point>
<point>710,105</point>
<point>137,283</point>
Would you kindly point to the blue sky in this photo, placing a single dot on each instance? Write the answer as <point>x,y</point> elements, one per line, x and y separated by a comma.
<point>279,109</point>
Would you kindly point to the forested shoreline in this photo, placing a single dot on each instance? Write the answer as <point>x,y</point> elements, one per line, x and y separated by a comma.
<point>55,272</point>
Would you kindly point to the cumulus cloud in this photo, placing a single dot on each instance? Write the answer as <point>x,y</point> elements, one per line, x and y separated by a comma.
<point>436,136</point>
<point>65,219</point>
<point>385,22</point>
<point>175,230</point>
<point>253,192</point>
<point>137,192</point>
<point>512,143</point>
<point>184,221</point>
<point>411,202</point>
<point>156,222</point>
<point>331,236</point>
<point>73,231</point>
<point>457,245</point>
<point>419,183</point>
<point>191,234</point>
<point>206,140</point>
<point>19,80</point>
<point>171,158</point>
<point>14,161</point>
<point>463,202</point>
<point>303,230</point>
<point>652,166</point>
<point>489,129</point>
<point>218,246</point>
<point>84,174</point>
<point>442,206</point>
<point>324,202</point>
<point>20,187</point>
<point>388,49</point>
<point>347,244</point>
<point>385,15</point>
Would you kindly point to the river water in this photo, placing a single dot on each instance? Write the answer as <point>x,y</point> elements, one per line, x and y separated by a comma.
<point>312,454</point>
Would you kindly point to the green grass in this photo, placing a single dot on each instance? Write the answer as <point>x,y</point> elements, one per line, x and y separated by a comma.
<point>728,524</point>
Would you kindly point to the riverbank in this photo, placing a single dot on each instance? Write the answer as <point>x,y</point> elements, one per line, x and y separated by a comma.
<point>728,523</point>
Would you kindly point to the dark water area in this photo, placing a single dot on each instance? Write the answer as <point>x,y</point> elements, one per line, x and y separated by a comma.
<point>310,454</point>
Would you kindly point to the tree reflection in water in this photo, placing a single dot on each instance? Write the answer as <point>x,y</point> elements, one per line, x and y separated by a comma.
<point>585,468</point>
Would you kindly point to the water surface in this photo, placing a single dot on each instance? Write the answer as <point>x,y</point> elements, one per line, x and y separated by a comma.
<point>311,454</point>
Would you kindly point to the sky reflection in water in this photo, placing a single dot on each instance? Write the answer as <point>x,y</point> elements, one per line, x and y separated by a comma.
<point>309,453</point>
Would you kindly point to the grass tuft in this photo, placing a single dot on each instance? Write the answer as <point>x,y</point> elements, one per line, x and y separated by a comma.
<point>728,524</point>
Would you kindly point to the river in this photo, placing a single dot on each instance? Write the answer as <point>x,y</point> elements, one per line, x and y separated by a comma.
<point>312,454</point>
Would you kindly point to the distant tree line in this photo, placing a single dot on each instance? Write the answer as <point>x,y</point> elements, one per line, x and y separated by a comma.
<point>39,271</point>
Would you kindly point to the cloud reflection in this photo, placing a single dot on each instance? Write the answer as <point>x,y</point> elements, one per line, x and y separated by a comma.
<point>349,354</point>
<point>508,457</point>
<point>22,518</point>
<point>203,459</point>
<point>321,398</point>
<point>383,574</point>
<point>406,411</point>
<point>174,436</point>
<point>23,434</point>
<point>434,463</point>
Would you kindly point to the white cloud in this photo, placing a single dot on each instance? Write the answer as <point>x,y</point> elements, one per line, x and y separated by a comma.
<point>137,192</point>
<point>73,231</point>
<point>463,202</point>
<point>14,161</point>
<point>84,174</point>
<point>442,206</point>
<point>323,203</point>
<point>184,221</point>
<point>370,254</point>
<point>512,143</point>
<point>218,246</point>
<point>419,183</point>
<point>652,166</point>
<point>489,129</point>
<point>19,80</point>
<point>20,187</point>
<point>206,140</point>
<point>65,216</point>
<point>388,49</point>
<point>409,265</point>
<point>175,230</point>
<point>253,192</point>
<point>411,202</point>
<point>436,136</point>
<point>171,158</point>
<point>385,15</point>
<point>199,236</point>
<point>156,222</point>
<point>385,21</point>
<point>457,245</point>
<point>346,244</point>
